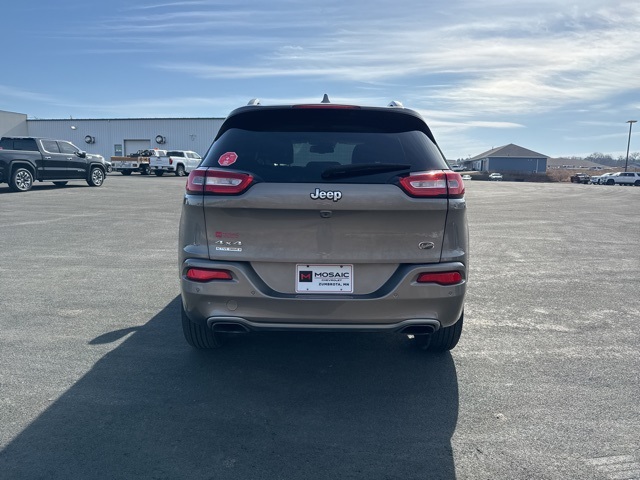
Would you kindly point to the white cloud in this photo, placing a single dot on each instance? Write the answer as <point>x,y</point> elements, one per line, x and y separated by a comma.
<point>18,93</point>
<point>508,65</point>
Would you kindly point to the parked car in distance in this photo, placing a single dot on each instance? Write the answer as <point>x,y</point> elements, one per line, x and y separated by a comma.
<point>623,178</point>
<point>580,178</point>
<point>179,162</point>
<point>595,179</point>
<point>495,176</point>
<point>25,160</point>
<point>136,162</point>
<point>602,179</point>
<point>466,177</point>
<point>292,222</point>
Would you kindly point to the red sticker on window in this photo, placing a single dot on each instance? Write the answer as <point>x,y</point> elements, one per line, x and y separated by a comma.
<point>227,159</point>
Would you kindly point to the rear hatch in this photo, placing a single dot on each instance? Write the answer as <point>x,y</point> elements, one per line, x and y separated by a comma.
<point>329,191</point>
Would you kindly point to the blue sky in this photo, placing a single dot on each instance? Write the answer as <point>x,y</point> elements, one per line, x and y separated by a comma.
<point>559,78</point>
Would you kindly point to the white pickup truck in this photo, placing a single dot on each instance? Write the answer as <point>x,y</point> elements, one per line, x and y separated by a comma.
<point>179,162</point>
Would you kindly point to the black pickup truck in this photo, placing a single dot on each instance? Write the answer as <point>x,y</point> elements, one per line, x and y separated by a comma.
<point>24,160</point>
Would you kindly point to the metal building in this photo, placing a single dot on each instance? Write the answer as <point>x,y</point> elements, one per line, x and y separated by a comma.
<point>122,136</point>
<point>13,123</point>
<point>118,136</point>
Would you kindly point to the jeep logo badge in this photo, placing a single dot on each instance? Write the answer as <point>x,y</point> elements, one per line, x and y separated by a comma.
<point>326,195</point>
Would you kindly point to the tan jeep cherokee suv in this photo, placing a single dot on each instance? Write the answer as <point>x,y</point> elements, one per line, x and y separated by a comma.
<point>324,217</point>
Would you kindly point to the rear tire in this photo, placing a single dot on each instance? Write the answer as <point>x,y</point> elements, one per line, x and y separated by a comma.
<point>180,171</point>
<point>21,180</point>
<point>198,336</point>
<point>442,340</point>
<point>611,181</point>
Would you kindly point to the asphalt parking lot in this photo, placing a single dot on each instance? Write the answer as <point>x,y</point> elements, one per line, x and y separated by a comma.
<point>96,380</point>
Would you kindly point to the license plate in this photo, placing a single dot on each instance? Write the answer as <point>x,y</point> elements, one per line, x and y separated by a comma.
<point>324,278</point>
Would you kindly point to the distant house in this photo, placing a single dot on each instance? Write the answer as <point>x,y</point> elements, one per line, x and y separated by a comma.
<point>509,158</point>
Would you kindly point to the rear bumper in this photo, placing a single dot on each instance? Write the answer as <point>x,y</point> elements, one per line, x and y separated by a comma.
<point>238,325</point>
<point>399,303</point>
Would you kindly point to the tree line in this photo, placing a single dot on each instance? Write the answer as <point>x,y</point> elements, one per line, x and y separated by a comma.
<point>606,159</point>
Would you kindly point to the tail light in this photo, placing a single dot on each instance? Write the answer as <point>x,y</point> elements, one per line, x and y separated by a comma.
<point>438,183</point>
<point>441,278</point>
<point>206,274</point>
<point>170,161</point>
<point>221,182</point>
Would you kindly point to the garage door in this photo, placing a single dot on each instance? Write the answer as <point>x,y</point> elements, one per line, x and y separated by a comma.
<point>132,146</point>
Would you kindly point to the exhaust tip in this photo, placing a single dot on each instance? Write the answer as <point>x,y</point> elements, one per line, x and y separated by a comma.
<point>418,330</point>
<point>229,327</point>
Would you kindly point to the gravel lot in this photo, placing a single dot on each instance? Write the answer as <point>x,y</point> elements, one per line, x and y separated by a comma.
<point>96,380</point>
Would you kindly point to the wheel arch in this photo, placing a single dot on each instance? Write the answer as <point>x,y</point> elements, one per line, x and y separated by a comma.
<point>96,164</point>
<point>22,163</point>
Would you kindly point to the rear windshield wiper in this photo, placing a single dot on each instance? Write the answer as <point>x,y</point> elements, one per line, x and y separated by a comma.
<point>344,171</point>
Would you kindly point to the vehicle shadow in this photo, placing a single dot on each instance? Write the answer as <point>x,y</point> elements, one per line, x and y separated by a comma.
<point>45,186</point>
<point>267,406</point>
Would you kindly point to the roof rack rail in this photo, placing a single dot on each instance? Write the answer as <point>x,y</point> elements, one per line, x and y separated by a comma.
<point>395,103</point>
<point>254,101</point>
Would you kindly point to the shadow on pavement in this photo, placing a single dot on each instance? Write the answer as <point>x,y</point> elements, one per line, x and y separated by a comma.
<point>272,406</point>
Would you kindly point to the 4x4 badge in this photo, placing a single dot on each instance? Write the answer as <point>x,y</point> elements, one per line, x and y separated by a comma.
<point>318,194</point>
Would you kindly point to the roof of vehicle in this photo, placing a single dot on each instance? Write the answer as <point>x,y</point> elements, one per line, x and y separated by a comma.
<point>256,114</point>
<point>26,137</point>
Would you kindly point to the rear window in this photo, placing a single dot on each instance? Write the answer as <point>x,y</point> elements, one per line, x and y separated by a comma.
<point>175,153</point>
<point>28,144</point>
<point>331,147</point>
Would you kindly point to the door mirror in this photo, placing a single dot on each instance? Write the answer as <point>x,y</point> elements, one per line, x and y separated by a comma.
<point>81,154</point>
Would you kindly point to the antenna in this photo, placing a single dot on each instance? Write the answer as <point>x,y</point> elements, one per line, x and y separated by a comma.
<point>325,99</point>
<point>254,101</point>
<point>395,103</point>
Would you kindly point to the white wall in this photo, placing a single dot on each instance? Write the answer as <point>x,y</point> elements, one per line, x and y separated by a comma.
<point>13,124</point>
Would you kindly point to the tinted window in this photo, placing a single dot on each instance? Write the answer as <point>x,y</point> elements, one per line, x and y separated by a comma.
<point>28,144</point>
<point>50,146</point>
<point>66,147</point>
<point>175,153</point>
<point>283,152</point>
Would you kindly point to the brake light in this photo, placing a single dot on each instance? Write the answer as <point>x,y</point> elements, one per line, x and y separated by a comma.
<point>223,182</point>
<point>206,275</point>
<point>327,106</point>
<point>438,183</point>
<point>441,278</point>
<point>170,161</point>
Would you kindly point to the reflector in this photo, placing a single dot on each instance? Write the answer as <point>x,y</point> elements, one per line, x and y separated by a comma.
<point>206,275</point>
<point>441,278</point>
